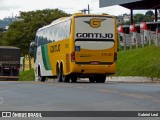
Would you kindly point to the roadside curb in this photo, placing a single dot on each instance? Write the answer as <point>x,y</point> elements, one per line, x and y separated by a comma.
<point>135,79</point>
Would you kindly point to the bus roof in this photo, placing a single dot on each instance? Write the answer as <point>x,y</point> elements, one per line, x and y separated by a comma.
<point>58,20</point>
<point>66,18</point>
<point>54,22</point>
<point>8,47</point>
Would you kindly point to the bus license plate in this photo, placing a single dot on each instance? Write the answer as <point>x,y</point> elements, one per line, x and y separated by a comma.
<point>94,62</point>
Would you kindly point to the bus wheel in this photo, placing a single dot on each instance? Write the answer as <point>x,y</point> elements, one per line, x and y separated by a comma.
<point>101,79</point>
<point>92,79</point>
<point>65,78</point>
<point>74,79</point>
<point>41,78</point>
<point>59,75</point>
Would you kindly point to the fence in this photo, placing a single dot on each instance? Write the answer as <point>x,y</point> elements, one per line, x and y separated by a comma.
<point>139,35</point>
<point>25,64</point>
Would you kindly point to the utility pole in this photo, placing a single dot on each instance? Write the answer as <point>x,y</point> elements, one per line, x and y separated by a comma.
<point>85,10</point>
<point>88,9</point>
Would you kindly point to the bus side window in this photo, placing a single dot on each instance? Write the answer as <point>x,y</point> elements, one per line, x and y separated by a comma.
<point>68,28</point>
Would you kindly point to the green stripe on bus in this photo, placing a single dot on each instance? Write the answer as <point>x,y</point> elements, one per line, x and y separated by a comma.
<point>45,57</point>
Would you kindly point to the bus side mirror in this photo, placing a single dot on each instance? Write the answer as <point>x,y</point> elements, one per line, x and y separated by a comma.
<point>32,46</point>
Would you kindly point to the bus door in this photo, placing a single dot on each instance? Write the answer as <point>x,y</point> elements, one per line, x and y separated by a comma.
<point>94,40</point>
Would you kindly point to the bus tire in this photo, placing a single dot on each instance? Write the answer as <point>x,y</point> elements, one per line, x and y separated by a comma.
<point>101,79</point>
<point>65,78</point>
<point>92,79</point>
<point>73,79</point>
<point>40,77</point>
<point>59,74</point>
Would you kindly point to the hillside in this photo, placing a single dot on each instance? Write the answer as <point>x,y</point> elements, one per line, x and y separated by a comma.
<point>139,62</point>
<point>5,22</point>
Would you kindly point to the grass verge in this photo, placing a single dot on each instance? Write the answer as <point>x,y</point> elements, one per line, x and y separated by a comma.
<point>139,62</point>
<point>27,75</point>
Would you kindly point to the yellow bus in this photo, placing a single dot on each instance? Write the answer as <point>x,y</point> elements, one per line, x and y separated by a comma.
<point>79,46</point>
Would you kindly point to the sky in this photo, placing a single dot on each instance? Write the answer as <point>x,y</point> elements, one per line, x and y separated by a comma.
<point>9,8</point>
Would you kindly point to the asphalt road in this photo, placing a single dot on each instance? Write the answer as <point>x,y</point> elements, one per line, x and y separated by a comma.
<point>81,96</point>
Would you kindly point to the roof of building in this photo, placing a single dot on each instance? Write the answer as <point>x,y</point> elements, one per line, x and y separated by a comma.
<point>132,4</point>
<point>8,47</point>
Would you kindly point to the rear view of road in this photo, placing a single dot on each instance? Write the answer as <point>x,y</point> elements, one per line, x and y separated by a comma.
<point>82,96</point>
<point>56,96</point>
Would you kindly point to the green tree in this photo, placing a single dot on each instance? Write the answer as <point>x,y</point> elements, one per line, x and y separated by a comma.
<point>22,32</point>
<point>138,18</point>
<point>149,13</point>
<point>149,16</point>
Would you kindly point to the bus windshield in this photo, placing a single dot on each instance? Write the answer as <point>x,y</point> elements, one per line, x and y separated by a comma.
<point>94,33</point>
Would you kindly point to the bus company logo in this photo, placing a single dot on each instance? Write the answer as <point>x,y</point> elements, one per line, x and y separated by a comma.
<point>95,22</point>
